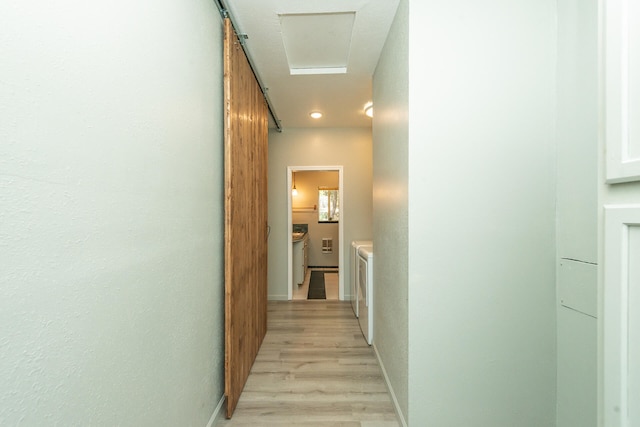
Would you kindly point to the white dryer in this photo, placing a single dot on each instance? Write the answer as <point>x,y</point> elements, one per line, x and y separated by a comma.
<point>355,245</point>
<point>365,291</point>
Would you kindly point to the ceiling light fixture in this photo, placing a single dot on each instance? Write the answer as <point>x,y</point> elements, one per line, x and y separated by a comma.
<point>294,192</point>
<point>368,109</point>
<point>315,114</point>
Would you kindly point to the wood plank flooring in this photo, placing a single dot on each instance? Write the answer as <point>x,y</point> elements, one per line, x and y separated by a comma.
<point>314,369</point>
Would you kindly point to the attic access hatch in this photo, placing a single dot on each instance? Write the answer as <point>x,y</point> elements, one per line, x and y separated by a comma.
<point>317,43</point>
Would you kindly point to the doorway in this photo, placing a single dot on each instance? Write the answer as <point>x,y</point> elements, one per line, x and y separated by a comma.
<point>312,210</point>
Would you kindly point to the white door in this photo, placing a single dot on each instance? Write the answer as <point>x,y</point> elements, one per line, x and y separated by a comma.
<point>620,197</point>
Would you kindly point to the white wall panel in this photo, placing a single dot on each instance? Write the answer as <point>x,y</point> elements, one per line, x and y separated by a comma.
<point>577,130</point>
<point>577,286</point>
<point>577,366</point>
<point>577,212</point>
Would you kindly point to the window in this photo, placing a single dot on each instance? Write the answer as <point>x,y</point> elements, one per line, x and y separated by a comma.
<point>328,206</point>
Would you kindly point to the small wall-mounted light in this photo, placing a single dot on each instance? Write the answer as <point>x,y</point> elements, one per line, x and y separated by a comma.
<point>368,109</point>
<point>315,114</point>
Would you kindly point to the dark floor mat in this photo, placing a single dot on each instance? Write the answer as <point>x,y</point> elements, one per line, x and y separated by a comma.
<point>316,286</point>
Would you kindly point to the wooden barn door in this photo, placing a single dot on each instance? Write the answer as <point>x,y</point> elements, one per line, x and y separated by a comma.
<point>246,134</point>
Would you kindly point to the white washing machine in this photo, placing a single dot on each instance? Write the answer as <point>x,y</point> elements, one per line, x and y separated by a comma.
<point>365,291</point>
<point>355,245</point>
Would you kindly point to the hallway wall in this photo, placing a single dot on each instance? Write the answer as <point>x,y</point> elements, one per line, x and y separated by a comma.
<point>350,147</point>
<point>480,210</point>
<point>111,213</point>
<point>482,213</point>
<point>390,208</point>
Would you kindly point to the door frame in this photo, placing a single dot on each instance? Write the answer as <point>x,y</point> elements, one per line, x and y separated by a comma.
<point>340,170</point>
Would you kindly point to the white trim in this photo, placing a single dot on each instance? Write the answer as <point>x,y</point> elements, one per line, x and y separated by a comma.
<point>618,314</point>
<point>290,170</point>
<point>218,413</point>
<point>620,166</point>
<point>394,399</point>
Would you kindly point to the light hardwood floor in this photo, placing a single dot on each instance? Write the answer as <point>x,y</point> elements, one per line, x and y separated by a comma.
<point>314,369</point>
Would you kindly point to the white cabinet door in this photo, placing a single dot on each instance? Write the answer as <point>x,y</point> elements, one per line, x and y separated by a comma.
<point>622,89</point>
<point>298,262</point>
<point>621,331</point>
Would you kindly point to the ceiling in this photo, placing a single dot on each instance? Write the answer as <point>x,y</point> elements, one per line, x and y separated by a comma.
<point>313,55</point>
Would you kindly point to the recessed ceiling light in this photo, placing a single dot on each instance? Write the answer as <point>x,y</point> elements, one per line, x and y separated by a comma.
<point>315,114</point>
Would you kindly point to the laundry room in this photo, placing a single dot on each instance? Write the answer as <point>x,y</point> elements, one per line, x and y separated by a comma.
<point>315,203</point>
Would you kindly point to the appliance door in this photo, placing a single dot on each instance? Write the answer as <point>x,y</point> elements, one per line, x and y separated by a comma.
<point>363,307</point>
<point>354,277</point>
<point>354,280</point>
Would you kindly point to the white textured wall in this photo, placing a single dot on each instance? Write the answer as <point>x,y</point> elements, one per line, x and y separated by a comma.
<point>577,211</point>
<point>482,213</point>
<point>349,147</point>
<point>390,207</point>
<point>111,219</point>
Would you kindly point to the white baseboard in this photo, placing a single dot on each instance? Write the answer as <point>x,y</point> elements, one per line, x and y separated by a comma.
<point>277,297</point>
<point>218,413</point>
<point>396,405</point>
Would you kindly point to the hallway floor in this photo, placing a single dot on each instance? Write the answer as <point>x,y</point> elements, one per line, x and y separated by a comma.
<point>314,369</point>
